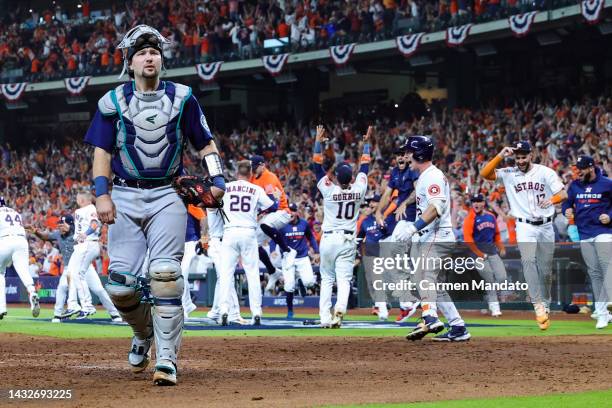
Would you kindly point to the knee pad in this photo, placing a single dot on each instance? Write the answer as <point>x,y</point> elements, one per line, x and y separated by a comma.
<point>123,290</point>
<point>126,294</point>
<point>166,279</point>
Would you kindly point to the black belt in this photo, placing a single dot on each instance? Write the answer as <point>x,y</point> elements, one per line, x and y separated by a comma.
<point>343,231</point>
<point>142,184</point>
<point>536,222</point>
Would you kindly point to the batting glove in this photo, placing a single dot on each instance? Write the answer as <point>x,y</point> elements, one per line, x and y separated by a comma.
<point>406,234</point>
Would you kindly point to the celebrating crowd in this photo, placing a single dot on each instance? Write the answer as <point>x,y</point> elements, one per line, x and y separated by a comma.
<point>42,45</point>
<point>42,183</point>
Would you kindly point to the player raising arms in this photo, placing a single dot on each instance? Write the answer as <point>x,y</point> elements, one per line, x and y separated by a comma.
<point>338,248</point>
<point>532,191</point>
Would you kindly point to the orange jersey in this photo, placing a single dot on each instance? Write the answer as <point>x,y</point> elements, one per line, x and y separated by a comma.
<point>271,184</point>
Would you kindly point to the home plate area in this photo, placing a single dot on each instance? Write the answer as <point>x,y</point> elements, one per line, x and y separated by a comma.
<point>275,323</point>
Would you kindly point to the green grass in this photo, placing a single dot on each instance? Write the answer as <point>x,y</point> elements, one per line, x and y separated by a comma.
<point>577,400</point>
<point>19,321</point>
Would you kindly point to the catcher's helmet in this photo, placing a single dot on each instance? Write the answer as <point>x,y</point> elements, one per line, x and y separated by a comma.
<point>421,147</point>
<point>344,174</point>
<point>138,38</point>
<point>2,202</point>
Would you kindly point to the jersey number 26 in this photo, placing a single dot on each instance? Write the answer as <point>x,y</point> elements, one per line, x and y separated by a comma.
<point>238,203</point>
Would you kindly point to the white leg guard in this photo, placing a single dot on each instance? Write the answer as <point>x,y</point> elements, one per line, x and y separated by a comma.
<point>167,290</point>
<point>124,290</point>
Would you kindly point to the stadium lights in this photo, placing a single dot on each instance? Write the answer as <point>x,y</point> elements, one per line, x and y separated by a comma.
<point>420,60</point>
<point>545,39</point>
<point>16,105</point>
<point>485,49</point>
<point>276,42</point>
<point>75,100</point>
<point>209,86</point>
<point>346,70</point>
<point>605,28</point>
<point>286,78</point>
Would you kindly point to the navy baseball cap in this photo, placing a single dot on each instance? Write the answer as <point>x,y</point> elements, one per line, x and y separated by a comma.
<point>476,198</point>
<point>584,162</point>
<point>67,219</point>
<point>293,207</point>
<point>256,161</point>
<point>522,146</point>
<point>344,173</point>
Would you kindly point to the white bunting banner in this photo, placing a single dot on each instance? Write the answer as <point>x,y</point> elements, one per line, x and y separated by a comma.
<point>520,24</point>
<point>13,92</point>
<point>76,85</point>
<point>208,72</point>
<point>274,63</point>
<point>455,36</point>
<point>340,54</point>
<point>591,10</point>
<point>408,44</point>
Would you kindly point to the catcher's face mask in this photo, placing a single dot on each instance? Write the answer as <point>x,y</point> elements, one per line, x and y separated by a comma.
<point>139,38</point>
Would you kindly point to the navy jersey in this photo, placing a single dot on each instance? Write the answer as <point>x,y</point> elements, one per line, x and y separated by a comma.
<point>482,230</point>
<point>403,182</point>
<point>296,236</point>
<point>193,229</point>
<point>371,231</point>
<point>589,201</point>
<point>102,133</point>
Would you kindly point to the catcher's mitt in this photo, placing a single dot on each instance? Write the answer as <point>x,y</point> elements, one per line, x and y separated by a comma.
<point>196,191</point>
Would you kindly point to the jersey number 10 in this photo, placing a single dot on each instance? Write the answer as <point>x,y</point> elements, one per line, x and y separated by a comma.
<point>349,210</point>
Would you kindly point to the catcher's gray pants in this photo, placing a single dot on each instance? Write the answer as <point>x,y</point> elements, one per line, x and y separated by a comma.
<point>156,220</point>
<point>429,272</point>
<point>494,271</point>
<point>596,253</point>
<point>537,245</point>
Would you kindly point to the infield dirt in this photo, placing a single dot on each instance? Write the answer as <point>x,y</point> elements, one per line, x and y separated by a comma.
<point>307,371</point>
